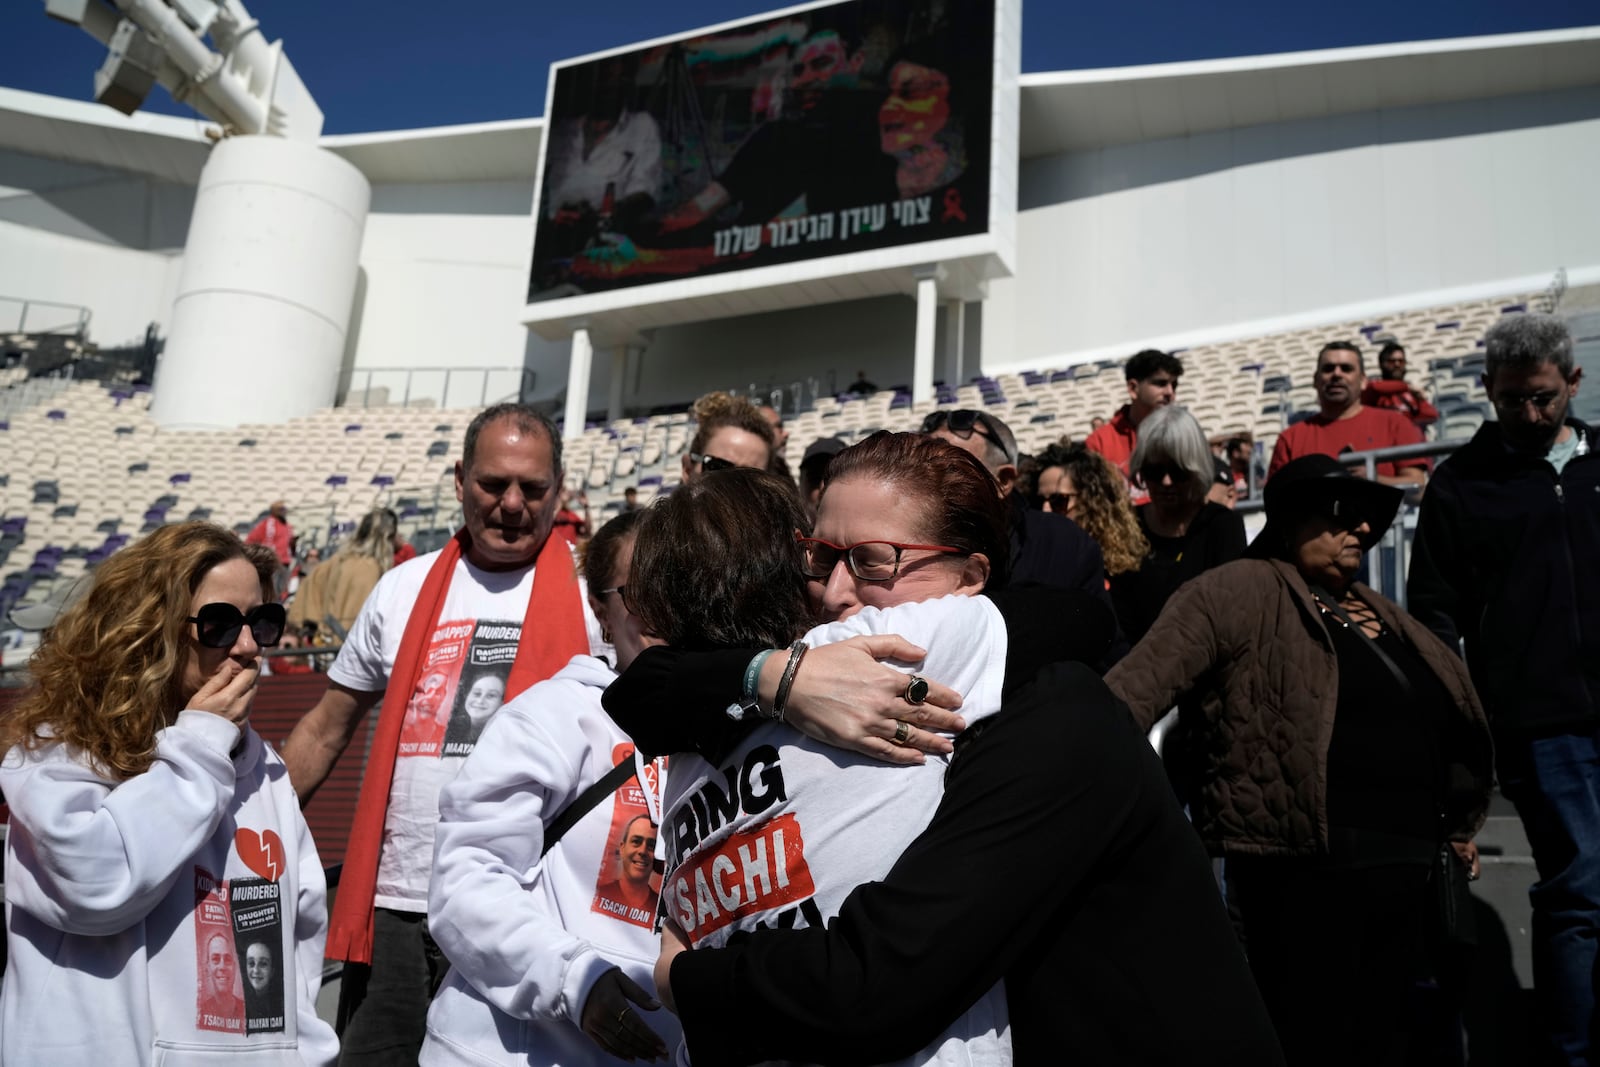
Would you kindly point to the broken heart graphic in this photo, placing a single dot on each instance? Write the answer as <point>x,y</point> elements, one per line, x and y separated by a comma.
<point>262,853</point>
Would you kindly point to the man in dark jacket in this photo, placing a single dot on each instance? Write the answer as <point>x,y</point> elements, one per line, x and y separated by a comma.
<point>1507,558</point>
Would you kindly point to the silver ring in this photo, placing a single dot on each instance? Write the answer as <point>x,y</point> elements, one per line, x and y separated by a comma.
<point>902,730</point>
<point>916,690</point>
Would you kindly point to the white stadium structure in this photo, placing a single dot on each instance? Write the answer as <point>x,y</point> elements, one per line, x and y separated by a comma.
<point>1240,210</point>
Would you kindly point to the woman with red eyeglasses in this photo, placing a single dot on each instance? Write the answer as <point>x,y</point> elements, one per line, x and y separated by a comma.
<point>775,829</point>
<point>154,837</point>
<point>1187,534</point>
<point>1047,847</point>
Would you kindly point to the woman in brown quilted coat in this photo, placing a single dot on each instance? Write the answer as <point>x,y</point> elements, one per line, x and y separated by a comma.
<point>1327,745</point>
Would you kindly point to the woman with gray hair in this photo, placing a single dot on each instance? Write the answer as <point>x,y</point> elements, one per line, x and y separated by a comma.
<point>1187,533</point>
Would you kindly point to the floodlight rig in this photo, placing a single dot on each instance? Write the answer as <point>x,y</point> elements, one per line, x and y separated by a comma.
<point>247,84</point>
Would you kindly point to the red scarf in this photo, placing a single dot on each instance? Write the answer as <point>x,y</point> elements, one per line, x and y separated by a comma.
<point>553,631</point>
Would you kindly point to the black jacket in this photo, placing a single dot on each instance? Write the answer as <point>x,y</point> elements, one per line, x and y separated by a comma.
<point>1053,551</point>
<point>1507,557</point>
<point>1058,860</point>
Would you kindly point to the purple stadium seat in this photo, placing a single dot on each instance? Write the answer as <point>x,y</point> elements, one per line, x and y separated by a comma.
<point>340,479</point>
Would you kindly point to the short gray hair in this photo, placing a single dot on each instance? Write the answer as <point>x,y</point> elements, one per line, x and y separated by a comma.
<point>1526,342</point>
<point>1171,435</point>
<point>524,418</point>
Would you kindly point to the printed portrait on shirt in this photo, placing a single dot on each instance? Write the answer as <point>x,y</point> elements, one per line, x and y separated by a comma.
<point>463,683</point>
<point>219,994</point>
<point>258,938</point>
<point>628,885</point>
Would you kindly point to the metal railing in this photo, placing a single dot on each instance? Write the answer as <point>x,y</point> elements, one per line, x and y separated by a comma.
<point>76,324</point>
<point>472,386</point>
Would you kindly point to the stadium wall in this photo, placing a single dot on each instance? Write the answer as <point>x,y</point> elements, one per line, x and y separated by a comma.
<point>1227,234</point>
<point>93,236</point>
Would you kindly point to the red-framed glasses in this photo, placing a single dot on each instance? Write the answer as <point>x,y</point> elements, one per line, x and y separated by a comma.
<point>870,561</point>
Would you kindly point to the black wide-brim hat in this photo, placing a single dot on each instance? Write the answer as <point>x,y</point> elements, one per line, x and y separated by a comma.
<point>1321,485</point>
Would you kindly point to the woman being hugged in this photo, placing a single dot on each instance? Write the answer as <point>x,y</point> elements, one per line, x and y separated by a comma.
<point>551,933</point>
<point>775,829</point>
<point>154,837</point>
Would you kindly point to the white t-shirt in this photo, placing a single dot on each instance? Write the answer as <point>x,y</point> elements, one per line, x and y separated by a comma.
<point>462,683</point>
<point>779,831</point>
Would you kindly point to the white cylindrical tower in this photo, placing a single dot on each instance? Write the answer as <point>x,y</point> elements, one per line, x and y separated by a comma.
<point>264,296</point>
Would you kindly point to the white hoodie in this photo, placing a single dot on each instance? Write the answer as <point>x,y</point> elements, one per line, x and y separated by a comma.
<point>528,937</point>
<point>138,912</point>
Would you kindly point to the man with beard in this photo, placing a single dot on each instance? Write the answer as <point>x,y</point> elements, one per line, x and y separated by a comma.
<point>1507,557</point>
<point>825,149</point>
<point>1344,425</point>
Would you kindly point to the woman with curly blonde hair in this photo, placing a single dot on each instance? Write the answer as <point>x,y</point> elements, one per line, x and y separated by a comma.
<point>154,837</point>
<point>1071,480</point>
<point>732,432</point>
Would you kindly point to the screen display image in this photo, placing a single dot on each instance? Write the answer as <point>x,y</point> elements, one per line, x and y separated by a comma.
<point>819,132</point>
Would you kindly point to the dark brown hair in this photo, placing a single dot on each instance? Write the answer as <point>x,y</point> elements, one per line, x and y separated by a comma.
<point>716,564</point>
<point>600,555</point>
<point>958,497</point>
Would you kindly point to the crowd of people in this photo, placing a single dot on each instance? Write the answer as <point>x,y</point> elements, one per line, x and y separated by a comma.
<point>848,767</point>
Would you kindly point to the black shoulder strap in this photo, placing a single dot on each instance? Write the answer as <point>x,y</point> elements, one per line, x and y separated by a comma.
<point>586,801</point>
<point>1329,603</point>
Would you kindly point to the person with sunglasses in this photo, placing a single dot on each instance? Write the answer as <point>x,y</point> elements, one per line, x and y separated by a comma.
<point>726,562</point>
<point>1505,559</point>
<point>1046,550</point>
<point>1056,844</point>
<point>730,432</point>
<point>1331,748</point>
<point>150,824</point>
<point>1187,533</point>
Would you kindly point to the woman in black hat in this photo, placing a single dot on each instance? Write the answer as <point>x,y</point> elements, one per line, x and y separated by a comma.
<point>1329,746</point>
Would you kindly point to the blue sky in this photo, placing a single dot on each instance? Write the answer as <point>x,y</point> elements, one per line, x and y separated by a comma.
<point>401,64</point>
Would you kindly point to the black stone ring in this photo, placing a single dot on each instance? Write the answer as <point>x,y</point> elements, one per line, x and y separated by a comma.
<point>916,690</point>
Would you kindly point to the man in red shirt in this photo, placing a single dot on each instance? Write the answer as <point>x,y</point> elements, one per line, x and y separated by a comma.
<point>1392,391</point>
<point>1345,425</point>
<point>1152,383</point>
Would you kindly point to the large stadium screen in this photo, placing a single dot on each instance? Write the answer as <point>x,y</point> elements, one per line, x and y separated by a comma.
<point>816,132</point>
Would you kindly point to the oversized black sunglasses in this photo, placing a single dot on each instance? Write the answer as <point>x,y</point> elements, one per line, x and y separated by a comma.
<point>711,463</point>
<point>964,423</point>
<point>218,625</point>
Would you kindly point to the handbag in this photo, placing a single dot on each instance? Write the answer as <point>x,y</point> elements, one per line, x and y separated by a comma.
<point>1456,922</point>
